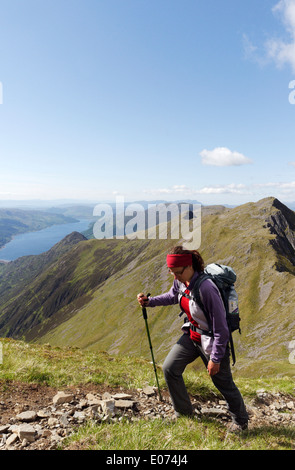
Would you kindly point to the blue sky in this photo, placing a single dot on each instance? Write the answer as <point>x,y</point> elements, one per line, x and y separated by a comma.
<point>147,99</point>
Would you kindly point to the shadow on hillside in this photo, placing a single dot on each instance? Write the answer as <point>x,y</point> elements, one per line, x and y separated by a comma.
<point>282,435</point>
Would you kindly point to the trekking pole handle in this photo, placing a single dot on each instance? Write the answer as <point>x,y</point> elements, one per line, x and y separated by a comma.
<point>144,312</point>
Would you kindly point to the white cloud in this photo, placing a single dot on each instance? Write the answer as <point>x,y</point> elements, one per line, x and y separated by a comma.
<point>222,156</point>
<point>280,51</point>
<point>226,189</point>
<point>281,190</point>
<point>251,52</point>
<point>174,189</point>
<point>283,187</point>
<point>249,48</point>
<point>287,9</point>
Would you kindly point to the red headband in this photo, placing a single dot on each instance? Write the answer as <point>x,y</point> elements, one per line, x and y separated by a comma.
<point>176,261</point>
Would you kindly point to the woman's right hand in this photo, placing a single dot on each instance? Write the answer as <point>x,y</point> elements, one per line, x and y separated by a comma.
<point>143,300</point>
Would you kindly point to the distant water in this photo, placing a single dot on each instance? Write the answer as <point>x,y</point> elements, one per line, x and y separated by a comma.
<point>34,243</point>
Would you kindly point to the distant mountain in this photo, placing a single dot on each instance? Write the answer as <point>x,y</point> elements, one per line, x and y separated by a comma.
<point>16,221</point>
<point>83,292</point>
<point>17,279</point>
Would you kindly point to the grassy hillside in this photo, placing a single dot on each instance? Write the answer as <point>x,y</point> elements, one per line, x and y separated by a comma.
<point>23,295</point>
<point>239,237</point>
<point>243,238</point>
<point>87,296</point>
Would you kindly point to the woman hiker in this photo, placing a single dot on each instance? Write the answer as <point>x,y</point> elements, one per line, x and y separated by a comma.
<point>186,265</point>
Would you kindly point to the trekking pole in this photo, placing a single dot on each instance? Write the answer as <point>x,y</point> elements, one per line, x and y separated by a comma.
<point>144,313</point>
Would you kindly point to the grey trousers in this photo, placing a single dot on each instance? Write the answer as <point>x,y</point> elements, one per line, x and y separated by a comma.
<point>185,352</point>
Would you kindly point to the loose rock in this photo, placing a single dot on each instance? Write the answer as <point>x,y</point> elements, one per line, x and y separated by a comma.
<point>28,432</point>
<point>62,397</point>
<point>124,403</point>
<point>27,416</point>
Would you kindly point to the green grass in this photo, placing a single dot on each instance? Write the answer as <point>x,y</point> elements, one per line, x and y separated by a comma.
<point>183,434</point>
<point>57,367</point>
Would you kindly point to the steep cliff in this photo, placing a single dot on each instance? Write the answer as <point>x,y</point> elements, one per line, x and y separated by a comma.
<point>281,223</point>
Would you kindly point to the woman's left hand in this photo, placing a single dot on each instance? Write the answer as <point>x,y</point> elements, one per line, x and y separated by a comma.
<point>213,368</point>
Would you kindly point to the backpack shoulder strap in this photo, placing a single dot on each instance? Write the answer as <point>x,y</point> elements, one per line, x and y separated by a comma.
<point>195,293</point>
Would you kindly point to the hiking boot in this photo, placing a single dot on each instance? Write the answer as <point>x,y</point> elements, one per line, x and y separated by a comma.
<point>236,428</point>
<point>178,415</point>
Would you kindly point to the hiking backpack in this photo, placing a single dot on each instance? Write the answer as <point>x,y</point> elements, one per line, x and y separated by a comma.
<point>224,278</point>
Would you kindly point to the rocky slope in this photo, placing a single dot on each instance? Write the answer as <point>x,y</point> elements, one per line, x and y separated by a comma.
<point>282,224</point>
<point>40,418</point>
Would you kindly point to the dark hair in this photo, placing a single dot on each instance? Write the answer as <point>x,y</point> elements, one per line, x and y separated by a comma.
<point>198,262</point>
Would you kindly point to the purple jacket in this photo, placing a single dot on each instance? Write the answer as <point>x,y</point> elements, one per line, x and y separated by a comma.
<point>213,303</point>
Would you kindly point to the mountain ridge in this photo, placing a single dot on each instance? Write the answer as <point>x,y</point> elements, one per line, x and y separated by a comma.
<point>87,297</point>
<point>25,270</point>
<point>282,224</point>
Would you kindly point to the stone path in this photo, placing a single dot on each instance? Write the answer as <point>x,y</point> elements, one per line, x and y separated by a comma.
<point>39,418</point>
